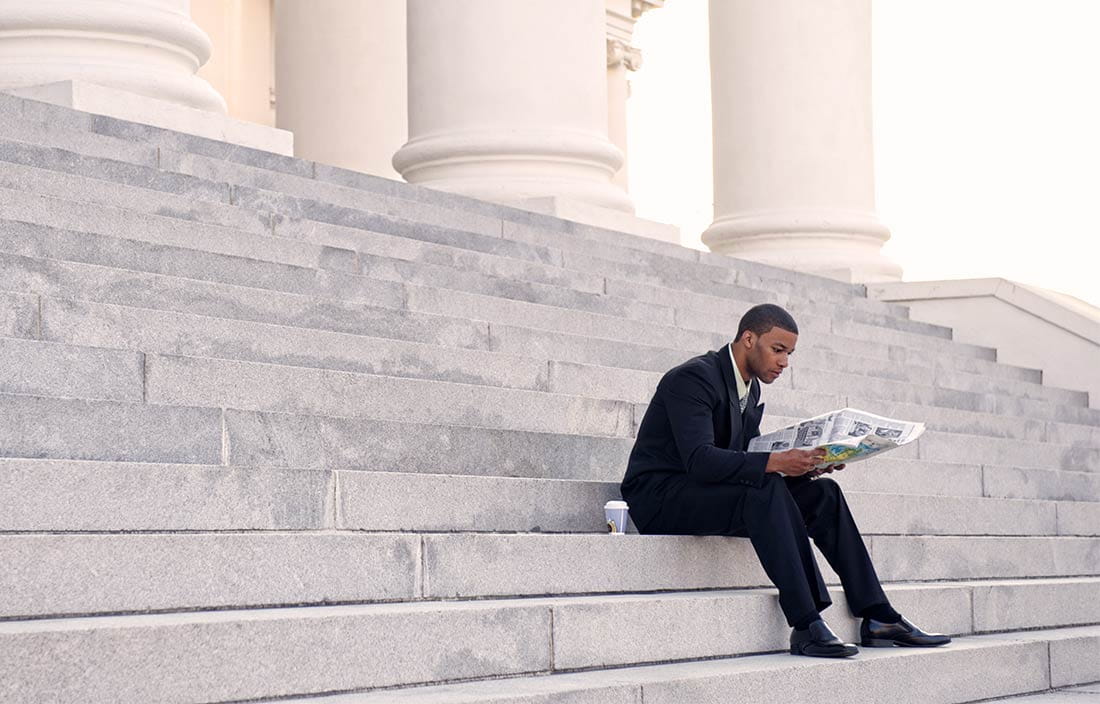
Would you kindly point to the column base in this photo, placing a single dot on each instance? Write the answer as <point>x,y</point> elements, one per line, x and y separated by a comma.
<point>842,245</point>
<point>607,218</point>
<point>124,105</point>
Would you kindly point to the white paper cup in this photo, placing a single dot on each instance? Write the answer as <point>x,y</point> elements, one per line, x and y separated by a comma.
<point>616,513</point>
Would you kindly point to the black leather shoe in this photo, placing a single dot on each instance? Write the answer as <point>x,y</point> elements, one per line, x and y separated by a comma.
<point>817,640</point>
<point>877,634</point>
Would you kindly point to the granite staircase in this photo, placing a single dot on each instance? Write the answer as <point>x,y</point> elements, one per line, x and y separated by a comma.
<point>276,431</point>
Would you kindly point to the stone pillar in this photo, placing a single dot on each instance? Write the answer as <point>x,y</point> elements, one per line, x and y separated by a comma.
<point>793,163</point>
<point>508,101</point>
<point>622,58</point>
<point>147,47</point>
<point>340,80</point>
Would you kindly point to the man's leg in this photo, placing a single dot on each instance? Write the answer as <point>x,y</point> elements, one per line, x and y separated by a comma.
<point>772,521</point>
<point>831,525</point>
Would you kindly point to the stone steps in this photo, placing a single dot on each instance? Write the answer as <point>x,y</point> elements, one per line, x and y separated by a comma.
<point>53,277</point>
<point>79,276</point>
<point>231,257</point>
<point>56,574</point>
<point>307,431</point>
<point>544,646</point>
<point>275,423</point>
<point>276,173</point>
<point>66,496</point>
<point>1013,663</point>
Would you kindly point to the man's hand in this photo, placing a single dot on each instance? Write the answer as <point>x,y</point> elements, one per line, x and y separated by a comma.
<point>794,463</point>
<point>826,470</point>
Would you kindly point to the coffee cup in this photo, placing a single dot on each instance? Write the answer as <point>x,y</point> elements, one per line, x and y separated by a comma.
<point>616,513</point>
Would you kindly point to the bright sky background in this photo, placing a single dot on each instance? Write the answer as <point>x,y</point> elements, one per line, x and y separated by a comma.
<point>986,127</point>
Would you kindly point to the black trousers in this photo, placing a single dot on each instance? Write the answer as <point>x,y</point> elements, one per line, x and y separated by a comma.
<point>779,518</point>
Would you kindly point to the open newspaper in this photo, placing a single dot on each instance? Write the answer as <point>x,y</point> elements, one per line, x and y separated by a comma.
<point>847,435</point>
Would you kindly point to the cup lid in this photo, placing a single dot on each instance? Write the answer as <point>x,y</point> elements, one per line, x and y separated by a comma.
<point>615,504</point>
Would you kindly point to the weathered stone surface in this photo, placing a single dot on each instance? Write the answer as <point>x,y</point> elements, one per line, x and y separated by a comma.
<point>1036,603</point>
<point>1079,518</point>
<point>1026,483</point>
<point>969,557</point>
<point>719,623</point>
<point>183,658</point>
<point>170,332</point>
<point>87,573</point>
<point>441,502</point>
<point>66,495</point>
<point>326,442</point>
<point>198,381</point>
<point>51,369</point>
<point>14,126</point>
<point>60,428</point>
<point>473,564</point>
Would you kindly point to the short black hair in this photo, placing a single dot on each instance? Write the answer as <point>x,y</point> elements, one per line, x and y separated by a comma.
<point>762,318</point>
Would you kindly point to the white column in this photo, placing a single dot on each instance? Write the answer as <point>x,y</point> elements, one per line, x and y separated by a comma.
<point>148,47</point>
<point>793,162</point>
<point>340,80</point>
<point>508,101</point>
<point>622,59</point>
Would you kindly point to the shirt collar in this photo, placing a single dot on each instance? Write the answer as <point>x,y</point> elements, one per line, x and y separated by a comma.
<point>742,386</point>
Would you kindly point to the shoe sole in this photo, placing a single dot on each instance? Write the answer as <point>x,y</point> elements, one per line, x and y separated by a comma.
<point>795,650</point>
<point>888,643</point>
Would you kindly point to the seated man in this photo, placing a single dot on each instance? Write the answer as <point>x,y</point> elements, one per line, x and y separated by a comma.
<point>690,474</point>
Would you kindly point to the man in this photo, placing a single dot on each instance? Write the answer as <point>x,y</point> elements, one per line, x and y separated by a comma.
<point>690,474</point>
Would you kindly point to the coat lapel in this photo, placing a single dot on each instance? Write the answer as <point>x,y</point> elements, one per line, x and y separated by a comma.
<point>726,365</point>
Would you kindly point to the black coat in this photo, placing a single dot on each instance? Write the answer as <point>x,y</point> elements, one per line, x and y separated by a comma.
<point>693,430</point>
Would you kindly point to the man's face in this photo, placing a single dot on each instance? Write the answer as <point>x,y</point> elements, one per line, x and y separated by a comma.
<point>768,354</point>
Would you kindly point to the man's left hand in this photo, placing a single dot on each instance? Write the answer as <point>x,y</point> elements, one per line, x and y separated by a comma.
<point>826,470</point>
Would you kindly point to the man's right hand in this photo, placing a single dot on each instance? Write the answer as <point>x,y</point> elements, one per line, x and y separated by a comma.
<point>794,463</point>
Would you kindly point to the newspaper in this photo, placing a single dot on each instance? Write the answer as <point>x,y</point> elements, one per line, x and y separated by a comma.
<point>847,435</point>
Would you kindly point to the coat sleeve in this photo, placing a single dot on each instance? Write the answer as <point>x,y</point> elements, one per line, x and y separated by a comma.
<point>690,400</point>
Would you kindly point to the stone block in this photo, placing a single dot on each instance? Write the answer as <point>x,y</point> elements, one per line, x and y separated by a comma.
<point>314,200</point>
<point>889,474</point>
<point>106,285</point>
<point>58,184</point>
<point>60,428</point>
<point>614,318</point>
<point>1078,518</point>
<point>939,674</point>
<point>168,332</point>
<point>42,368</point>
<point>446,502</point>
<point>1035,603</point>
<point>63,495</point>
<point>474,564</point>
<point>1075,657</point>
<point>708,624</point>
<point>322,442</point>
<point>269,653</point>
<point>951,447</point>
<point>195,381</point>
<point>1026,483</point>
<point>972,557</point>
<point>56,159</point>
<point>907,512</point>
<point>427,238</point>
<point>14,126</point>
<point>53,575</point>
<point>134,240</point>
